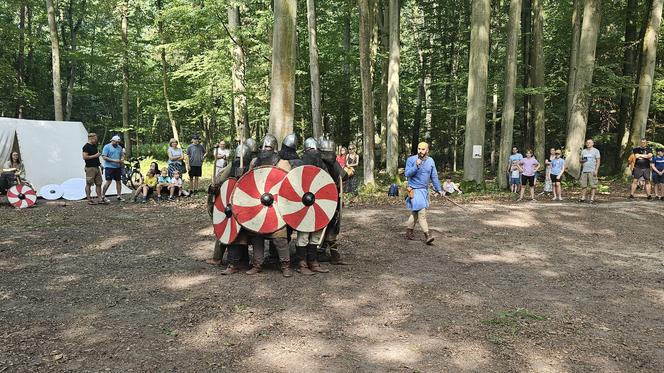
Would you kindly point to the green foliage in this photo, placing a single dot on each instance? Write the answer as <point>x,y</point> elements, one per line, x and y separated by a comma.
<point>199,62</point>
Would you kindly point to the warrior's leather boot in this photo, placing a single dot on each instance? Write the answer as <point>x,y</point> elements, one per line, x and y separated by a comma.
<point>335,258</point>
<point>257,268</point>
<point>312,261</point>
<point>428,238</point>
<point>231,269</point>
<point>302,267</point>
<point>286,269</point>
<point>410,235</point>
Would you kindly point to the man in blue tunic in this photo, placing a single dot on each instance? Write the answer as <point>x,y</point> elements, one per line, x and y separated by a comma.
<point>420,169</point>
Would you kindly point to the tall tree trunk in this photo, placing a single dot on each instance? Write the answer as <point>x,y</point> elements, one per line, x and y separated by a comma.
<point>316,118</point>
<point>526,25</point>
<point>573,58</point>
<point>417,124</point>
<point>629,59</point>
<point>74,28</point>
<point>125,77</point>
<point>367,93</point>
<point>478,66</point>
<point>284,42</point>
<point>55,61</point>
<point>507,120</point>
<point>494,124</point>
<point>240,117</point>
<point>385,43</point>
<point>537,80</point>
<point>20,62</point>
<point>393,92</point>
<point>343,127</point>
<point>646,78</point>
<point>584,77</point>
<point>164,76</point>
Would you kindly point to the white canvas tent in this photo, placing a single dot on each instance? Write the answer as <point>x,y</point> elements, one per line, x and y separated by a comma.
<point>51,151</point>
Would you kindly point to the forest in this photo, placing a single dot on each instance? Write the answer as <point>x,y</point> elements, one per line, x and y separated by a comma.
<point>381,74</point>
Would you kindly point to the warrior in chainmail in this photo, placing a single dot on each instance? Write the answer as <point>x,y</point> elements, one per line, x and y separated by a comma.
<point>328,156</point>
<point>268,156</point>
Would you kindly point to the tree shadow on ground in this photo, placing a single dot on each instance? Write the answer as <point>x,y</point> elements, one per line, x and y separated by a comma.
<point>541,287</point>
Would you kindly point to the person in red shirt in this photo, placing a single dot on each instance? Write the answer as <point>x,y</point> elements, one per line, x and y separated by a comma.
<point>341,158</point>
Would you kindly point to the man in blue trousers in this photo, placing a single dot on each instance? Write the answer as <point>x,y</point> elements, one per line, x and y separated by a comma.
<point>420,170</point>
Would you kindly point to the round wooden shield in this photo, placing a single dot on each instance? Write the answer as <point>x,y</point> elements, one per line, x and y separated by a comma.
<point>21,196</point>
<point>307,199</point>
<point>226,227</point>
<point>254,198</point>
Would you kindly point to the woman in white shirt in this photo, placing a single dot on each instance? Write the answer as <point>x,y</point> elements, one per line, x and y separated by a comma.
<point>221,155</point>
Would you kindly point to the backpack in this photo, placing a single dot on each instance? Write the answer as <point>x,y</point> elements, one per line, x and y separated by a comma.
<point>394,190</point>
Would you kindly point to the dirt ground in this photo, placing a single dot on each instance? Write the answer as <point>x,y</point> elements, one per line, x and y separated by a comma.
<point>544,287</point>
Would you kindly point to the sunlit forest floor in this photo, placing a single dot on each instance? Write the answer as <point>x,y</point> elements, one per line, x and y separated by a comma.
<point>559,287</point>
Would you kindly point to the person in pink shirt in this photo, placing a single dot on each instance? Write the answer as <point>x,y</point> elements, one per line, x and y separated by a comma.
<point>529,165</point>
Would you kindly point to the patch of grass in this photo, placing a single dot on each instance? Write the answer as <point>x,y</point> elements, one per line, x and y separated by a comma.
<point>513,320</point>
<point>240,308</point>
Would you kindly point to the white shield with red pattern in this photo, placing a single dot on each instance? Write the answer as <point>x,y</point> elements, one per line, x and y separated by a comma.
<point>308,199</point>
<point>226,227</point>
<point>21,196</point>
<point>254,200</point>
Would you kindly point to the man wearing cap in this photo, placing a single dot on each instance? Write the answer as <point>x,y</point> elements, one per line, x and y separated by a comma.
<point>113,160</point>
<point>92,169</point>
<point>420,170</point>
<point>196,153</point>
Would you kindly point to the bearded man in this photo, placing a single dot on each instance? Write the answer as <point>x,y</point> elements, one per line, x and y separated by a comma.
<point>420,170</point>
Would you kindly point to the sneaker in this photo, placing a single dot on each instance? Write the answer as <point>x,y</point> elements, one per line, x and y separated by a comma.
<point>171,198</point>
<point>649,197</point>
<point>631,196</point>
<point>145,200</point>
<point>120,199</point>
<point>519,199</point>
<point>592,201</point>
<point>158,198</point>
<point>105,201</point>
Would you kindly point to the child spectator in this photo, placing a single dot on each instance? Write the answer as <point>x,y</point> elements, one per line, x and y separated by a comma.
<point>530,165</point>
<point>149,185</point>
<point>164,181</point>
<point>658,173</point>
<point>154,166</point>
<point>175,186</point>
<point>515,176</point>
<point>556,174</point>
<point>449,187</point>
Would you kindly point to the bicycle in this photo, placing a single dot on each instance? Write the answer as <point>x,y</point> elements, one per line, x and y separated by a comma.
<point>131,173</point>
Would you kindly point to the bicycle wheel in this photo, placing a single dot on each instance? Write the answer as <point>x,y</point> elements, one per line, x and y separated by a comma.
<point>136,179</point>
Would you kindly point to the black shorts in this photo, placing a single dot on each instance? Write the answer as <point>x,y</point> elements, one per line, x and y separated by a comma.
<point>528,180</point>
<point>641,173</point>
<point>195,171</point>
<point>150,190</point>
<point>113,174</point>
<point>657,178</point>
<point>554,178</point>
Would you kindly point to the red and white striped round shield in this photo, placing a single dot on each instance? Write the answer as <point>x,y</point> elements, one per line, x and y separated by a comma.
<point>307,198</point>
<point>254,198</point>
<point>226,227</point>
<point>21,196</point>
